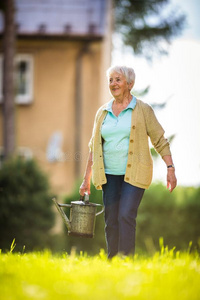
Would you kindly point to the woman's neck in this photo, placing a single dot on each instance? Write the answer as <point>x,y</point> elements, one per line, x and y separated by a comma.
<point>120,104</point>
<point>124,100</point>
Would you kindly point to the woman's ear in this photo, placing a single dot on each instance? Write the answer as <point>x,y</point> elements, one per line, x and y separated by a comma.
<point>130,85</point>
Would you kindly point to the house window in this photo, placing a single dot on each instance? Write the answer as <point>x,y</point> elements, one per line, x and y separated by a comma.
<point>23,78</point>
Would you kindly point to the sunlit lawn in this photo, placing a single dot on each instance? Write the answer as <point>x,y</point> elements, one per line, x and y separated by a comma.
<point>166,275</point>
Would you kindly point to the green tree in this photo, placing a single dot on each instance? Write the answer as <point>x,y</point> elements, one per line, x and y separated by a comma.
<point>175,217</point>
<point>25,206</point>
<point>146,24</point>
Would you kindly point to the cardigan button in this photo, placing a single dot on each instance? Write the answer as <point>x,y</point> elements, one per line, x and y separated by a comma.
<point>131,141</point>
<point>133,126</point>
<point>129,165</point>
<point>127,178</point>
<point>131,152</point>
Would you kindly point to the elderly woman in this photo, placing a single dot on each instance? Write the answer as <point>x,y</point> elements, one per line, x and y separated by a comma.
<point>120,161</point>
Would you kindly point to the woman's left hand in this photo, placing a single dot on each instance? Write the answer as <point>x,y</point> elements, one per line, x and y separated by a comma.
<point>171,179</point>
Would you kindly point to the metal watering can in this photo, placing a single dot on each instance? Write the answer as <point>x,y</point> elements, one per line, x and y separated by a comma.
<point>82,216</point>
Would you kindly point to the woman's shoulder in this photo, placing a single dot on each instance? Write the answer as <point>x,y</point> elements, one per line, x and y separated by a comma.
<point>144,105</point>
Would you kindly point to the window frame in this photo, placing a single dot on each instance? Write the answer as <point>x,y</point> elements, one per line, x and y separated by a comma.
<point>28,97</point>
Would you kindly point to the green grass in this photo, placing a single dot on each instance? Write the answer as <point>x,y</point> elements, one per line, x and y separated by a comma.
<point>166,275</point>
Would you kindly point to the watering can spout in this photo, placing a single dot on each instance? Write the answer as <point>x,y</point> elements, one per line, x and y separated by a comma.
<point>61,212</point>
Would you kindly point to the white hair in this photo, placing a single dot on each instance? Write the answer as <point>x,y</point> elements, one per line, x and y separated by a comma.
<point>126,71</point>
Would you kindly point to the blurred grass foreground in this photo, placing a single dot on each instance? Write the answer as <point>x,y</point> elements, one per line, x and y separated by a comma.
<point>41,275</point>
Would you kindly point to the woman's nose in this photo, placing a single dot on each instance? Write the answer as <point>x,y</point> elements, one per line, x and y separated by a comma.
<point>113,82</point>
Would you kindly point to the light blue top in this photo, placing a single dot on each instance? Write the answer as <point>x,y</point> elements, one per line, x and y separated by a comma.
<point>115,132</point>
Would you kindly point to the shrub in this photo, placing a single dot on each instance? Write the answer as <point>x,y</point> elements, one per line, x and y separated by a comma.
<point>175,217</point>
<point>25,205</point>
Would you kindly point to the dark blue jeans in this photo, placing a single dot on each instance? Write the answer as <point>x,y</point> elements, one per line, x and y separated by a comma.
<point>121,201</point>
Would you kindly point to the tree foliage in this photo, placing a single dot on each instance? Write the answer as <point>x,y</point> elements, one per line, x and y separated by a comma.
<point>145,24</point>
<point>25,205</point>
<point>175,217</point>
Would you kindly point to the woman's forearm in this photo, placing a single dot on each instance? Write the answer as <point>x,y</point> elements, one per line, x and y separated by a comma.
<point>168,160</point>
<point>88,171</point>
<point>85,186</point>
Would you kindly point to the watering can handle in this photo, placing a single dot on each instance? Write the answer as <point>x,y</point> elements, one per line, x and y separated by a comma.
<point>64,205</point>
<point>85,198</point>
<point>98,213</point>
<point>81,198</point>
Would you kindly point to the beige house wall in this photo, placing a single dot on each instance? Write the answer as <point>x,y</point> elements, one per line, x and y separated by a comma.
<point>53,108</point>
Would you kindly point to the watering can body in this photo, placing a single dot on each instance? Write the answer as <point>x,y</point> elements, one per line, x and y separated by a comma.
<point>82,216</point>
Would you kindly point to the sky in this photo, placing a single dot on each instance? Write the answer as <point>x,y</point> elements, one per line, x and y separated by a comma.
<point>175,78</point>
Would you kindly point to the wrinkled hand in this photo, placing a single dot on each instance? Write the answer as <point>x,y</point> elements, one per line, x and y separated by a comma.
<point>171,179</point>
<point>84,188</point>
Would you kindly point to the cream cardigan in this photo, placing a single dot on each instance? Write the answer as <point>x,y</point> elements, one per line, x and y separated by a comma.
<point>139,169</point>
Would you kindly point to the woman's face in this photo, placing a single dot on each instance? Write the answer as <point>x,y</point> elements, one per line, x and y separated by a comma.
<point>118,85</point>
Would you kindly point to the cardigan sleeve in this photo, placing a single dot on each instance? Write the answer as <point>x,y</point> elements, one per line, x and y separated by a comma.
<point>156,132</point>
<point>90,145</point>
<point>97,116</point>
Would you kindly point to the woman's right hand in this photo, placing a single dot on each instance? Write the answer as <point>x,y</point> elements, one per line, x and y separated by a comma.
<point>84,188</point>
